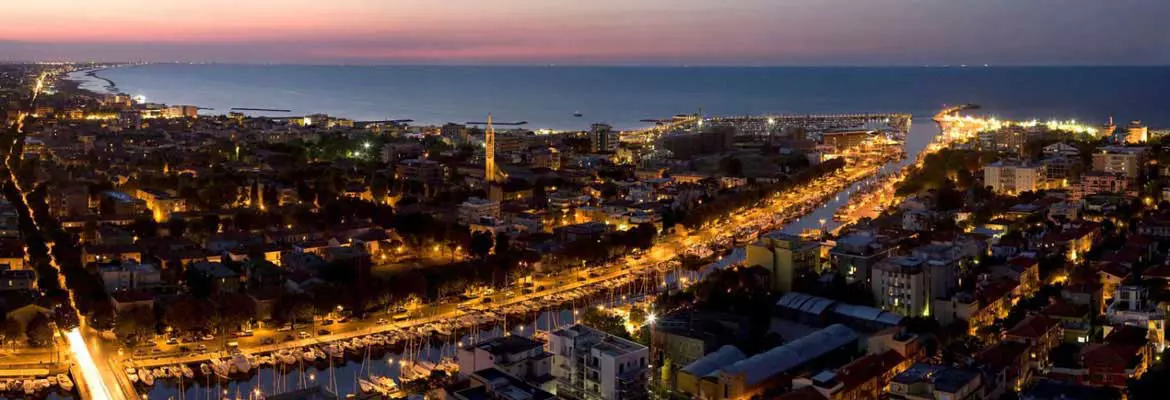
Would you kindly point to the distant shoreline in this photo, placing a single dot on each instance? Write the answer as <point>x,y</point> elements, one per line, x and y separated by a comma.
<point>88,75</point>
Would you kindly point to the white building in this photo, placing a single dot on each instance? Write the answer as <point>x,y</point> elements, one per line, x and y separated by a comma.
<point>475,208</point>
<point>1012,178</point>
<point>516,355</point>
<point>590,364</point>
<point>1131,305</point>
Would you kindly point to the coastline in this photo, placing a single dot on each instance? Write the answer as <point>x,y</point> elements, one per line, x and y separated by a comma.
<point>82,77</point>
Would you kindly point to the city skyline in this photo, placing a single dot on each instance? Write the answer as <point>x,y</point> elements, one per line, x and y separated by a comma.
<point>605,32</point>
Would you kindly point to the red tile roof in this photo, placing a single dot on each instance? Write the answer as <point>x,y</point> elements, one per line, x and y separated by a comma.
<point>866,368</point>
<point>1002,355</point>
<point>1064,309</point>
<point>1033,327</point>
<point>1109,353</point>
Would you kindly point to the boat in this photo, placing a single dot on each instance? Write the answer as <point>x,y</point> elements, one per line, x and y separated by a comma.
<point>16,385</point>
<point>65,382</point>
<point>131,375</point>
<point>242,363</point>
<point>4,386</point>
<point>205,369</point>
<point>578,114</point>
<point>41,384</point>
<point>52,380</point>
<point>387,383</point>
<point>177,372</point>
<point>29,386</point>
<point>147,378</point>
<point>366,386</point>
<point>288,358</point>
<point>187,372</point>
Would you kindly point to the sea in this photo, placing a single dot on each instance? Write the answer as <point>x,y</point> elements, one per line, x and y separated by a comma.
<point>549,97</point>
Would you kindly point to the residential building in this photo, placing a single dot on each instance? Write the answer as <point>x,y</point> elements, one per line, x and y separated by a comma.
<point>120,203</point>
<point>1041,334</point>
<point>690,145</point>
<point>1132,306</point>
<point>1096,182</point>
<point>475,208</point>
<point>936,382</point>
<point>854,256</point>
<point>494,384</point>
<point>1011,178</point>
<point>129,275</point>
<point>515,355</point>
<point>786,257</point>
<point>1124,160</point>
<point>845,139</point>
<point>864,378</point>
<point>908,284</point>
<point>161,204</point>
<point>602,138</point>
<point>590,364</point>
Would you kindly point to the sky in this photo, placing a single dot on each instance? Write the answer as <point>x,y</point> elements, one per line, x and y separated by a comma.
<point>592,32</point>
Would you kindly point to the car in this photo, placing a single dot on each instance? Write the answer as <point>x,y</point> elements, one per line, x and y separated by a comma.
<point>172,340</point>
<point>284,328</point>
<point>381,321</point>
<point>540,288</point>
<point>140,352</point>
<point>268,341</point>
<point>303,335</point>
<point>343,320</point>
<point>155,351</point>
<point>184,349</point>
<point>201,347</point>
<point>323,332</point>
<point>327,322</point>
<point>289,338</point>
<point>208,337</point>
<point>487,299</point>
<point>528,291</point>
<point>581,279</point>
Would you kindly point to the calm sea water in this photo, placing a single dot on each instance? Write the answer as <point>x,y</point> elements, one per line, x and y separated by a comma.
<point>547,97</point>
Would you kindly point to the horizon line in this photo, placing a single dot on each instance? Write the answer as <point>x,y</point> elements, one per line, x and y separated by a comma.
<point>573,65</point>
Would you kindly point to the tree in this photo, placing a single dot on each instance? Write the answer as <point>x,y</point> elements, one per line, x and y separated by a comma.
<point>144,227</point>
<point>12,331</point>
<point>136,324</point>
<point>234,310</point>
<point>481,244</point>
<point>176,226</point>
<point>292,308</point>
<point>39,332</point>
<point>502,244</point>
<point>604,321</point>
<point>187,314</point>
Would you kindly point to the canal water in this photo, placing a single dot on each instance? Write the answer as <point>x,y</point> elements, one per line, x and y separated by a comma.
<point>922,131</point>
<point>343,377</point>
<point>272,380</point>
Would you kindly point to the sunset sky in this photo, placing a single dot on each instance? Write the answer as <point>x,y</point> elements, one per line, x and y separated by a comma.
<point>622,32</point>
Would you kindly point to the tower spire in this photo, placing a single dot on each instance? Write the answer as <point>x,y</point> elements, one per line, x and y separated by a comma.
<point>489,165</point>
